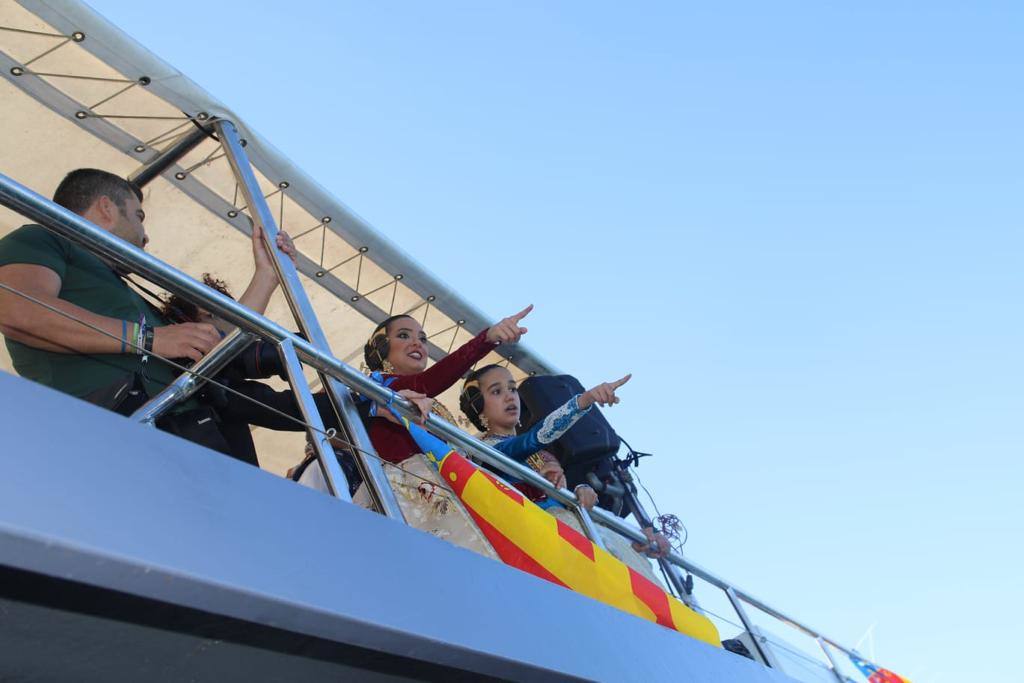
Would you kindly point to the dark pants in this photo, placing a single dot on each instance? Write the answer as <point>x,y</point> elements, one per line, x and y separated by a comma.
<point>237,414</point>
<point>226,427</point>
<point>200,425</point>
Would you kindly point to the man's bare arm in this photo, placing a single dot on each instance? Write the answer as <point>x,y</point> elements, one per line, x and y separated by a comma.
<point>33,325</point>
<point>36,326</point>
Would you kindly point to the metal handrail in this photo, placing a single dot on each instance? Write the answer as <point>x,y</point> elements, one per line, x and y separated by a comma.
<point>56,218</point>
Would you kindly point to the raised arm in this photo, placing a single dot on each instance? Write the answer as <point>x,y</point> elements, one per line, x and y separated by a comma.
<point>447,371</point>
<point>264,278</point>
<point>559,421</point>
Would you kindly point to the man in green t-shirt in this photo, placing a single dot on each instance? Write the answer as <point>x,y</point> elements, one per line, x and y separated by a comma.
<point>104,367</point>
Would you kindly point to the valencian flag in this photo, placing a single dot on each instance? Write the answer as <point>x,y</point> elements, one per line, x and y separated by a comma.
<point>875,673</point>
<point>528,538</point>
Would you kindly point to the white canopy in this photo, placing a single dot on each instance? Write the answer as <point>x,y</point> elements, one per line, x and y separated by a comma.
<point>78,92</point>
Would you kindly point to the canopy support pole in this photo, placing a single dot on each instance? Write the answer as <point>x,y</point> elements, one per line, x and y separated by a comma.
<point>146,173</point>
<point>341,398</point>
<point>337,483</point>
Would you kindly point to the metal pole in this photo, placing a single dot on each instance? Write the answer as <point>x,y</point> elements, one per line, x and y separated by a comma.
<point>190,382</point>
<point>333,474</point>
<point>644,519</point>
<point>589,527</point>
<point>143,175</point>
<point>24,201</point>
<point>678,582</point>
<point>755,638</point>
<point>771,611</point>
<point>831,660</point>
<point>305,316</point>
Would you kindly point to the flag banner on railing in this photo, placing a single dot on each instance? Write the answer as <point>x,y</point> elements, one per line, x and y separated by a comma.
<point>528,538</point>
<point>875,673</point>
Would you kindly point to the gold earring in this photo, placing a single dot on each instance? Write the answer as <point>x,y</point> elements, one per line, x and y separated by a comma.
<point>387,367</point>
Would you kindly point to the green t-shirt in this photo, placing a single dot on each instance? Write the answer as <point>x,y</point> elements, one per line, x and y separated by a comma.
<point>89,282</point>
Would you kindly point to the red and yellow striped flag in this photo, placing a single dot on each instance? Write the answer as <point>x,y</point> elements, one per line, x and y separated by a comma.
<point>528,538</point>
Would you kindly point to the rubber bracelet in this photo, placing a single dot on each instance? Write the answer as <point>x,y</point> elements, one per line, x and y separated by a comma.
<point>142,333</point>
<point>148,344</point>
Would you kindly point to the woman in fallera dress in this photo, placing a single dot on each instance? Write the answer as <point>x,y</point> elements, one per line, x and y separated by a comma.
<point>396,355</point>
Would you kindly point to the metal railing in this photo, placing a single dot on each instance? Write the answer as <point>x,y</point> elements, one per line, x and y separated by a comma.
<point>190,382</point>
<point>294,348</point>
<point>302,310</point>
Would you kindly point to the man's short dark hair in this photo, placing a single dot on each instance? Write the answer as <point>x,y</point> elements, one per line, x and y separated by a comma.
<point>82,187</point>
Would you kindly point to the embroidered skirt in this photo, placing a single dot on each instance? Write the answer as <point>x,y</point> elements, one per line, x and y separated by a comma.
<point>430,505</point>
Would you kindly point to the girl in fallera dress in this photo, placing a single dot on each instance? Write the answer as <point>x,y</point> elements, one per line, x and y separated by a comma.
<point>490,399</point>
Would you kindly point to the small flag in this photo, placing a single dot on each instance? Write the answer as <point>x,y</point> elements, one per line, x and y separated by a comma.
<point>875,673</point>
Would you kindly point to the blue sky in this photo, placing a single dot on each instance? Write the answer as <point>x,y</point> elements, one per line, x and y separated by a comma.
<point>798,224</point>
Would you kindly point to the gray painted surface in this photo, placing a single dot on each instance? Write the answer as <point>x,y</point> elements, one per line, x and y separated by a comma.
<point>90,496</point>
<point>45,644</point>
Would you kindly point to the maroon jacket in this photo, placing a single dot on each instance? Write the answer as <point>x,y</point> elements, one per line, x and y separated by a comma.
<point>392,441</point>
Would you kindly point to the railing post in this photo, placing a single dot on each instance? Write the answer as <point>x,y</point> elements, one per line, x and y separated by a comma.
<point>748,625</point>
<point>189,382</point>
<point>341,397</point>
<point>589,527</point>
<point>678,582</point>
<point>337,483</point>
<point>831,660</point>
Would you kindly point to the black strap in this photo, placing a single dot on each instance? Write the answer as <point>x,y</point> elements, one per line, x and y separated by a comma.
<point>155,300</point>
